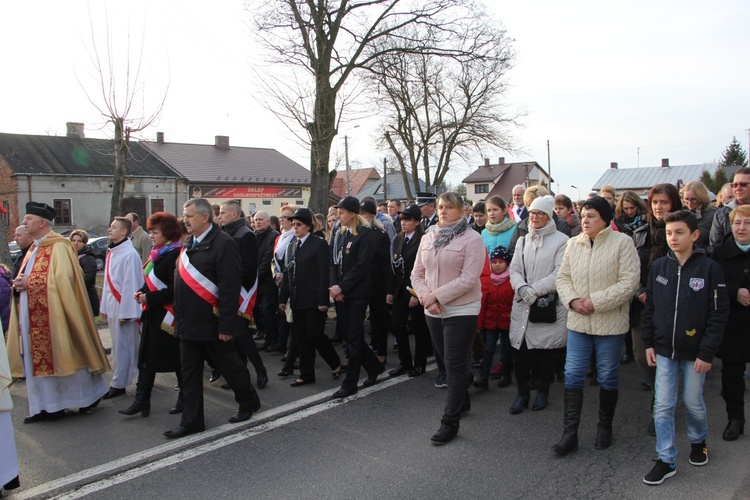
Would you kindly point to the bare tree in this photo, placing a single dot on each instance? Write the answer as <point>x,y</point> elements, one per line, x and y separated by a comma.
<point>121,98</point>
<point>332,40</point>
<point>437,106</point>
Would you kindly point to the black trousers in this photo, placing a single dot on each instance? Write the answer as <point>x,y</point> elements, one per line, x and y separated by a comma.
<point>145,384</point>
<point>378,324</point>
<point>452,338</point>
<point>733,388</point>
<point>360,355</point>
<point>245,344</point>
<point>309,330</point>
<point>192,356</point>
<point>401,313</point>
<point>524,359</point>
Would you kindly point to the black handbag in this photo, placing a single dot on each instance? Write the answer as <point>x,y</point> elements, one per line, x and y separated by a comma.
<point>544,308</point>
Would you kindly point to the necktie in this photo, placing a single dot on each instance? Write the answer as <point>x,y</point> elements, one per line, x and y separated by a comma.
<point>195,242</point>
<point>299,243</point>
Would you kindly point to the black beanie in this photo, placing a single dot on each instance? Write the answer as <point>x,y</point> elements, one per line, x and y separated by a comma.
<point>600,205</point>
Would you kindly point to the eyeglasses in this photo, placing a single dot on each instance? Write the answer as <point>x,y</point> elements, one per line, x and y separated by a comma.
<point>743,185</point>
<point>537,214</point>
<point>283,217</point>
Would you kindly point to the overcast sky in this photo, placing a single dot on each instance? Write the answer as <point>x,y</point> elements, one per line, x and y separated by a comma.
<point>599,80</point>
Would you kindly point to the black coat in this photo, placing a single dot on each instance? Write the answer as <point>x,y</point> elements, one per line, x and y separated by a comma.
<point>88,264</point>
<point>403,263</point>
<point>159,351</point>
<point>381,263</point>
<point>266,243</point>
<point>248,244</point>
<point>217,258</point>
<point>736,265</point>
<point>306,274</point>
<point>353,274</point>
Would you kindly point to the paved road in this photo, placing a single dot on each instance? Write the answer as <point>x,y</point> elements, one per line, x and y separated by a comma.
<point>374,445</point>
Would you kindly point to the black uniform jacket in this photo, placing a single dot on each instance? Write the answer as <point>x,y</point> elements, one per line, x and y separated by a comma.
<point>353,274</point>
<point>403,263</point>
<point>306,275</point>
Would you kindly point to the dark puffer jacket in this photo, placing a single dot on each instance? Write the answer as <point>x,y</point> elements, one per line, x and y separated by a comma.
<point>736,265</point>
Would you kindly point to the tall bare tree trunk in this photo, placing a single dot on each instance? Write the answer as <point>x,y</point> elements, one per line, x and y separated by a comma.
<point>322,132</point>
<point>118,186</point>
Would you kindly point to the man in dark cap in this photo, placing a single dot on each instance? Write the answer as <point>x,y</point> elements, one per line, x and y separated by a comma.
<point>68,359</point>
<point>426,202</point>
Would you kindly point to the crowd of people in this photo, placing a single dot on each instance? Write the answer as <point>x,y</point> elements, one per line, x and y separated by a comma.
<point>536,288</point>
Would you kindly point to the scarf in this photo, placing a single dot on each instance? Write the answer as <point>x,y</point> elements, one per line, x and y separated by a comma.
<point>500,227</point>
<point>499,279</point>
<point>536,236</point>
<point>447,231</point>
<point>630,225</point>
<point>744,248</point>
<point>659,246</point>
<point>157,253</point>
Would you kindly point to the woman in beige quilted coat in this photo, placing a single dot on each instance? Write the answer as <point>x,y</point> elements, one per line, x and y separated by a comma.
<point>598,276</point>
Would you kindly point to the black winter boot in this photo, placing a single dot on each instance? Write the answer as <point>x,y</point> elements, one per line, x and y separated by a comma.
<point>448,430</point>
<point>522,399</point>
<point>142,405</point>
<point>571,419</point>
<point>607,404</point>
<point>483,382</point>
<point>542,396</point>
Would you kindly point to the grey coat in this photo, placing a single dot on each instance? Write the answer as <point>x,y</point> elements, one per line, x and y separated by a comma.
<point>542,256</point>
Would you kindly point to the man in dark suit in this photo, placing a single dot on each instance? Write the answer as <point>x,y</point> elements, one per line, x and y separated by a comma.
<point>234,224</point>
<point>426,202</point>
<point>305,285</point>
<point>268,293</point>
<point>208,279</point>
<point>404,254</point>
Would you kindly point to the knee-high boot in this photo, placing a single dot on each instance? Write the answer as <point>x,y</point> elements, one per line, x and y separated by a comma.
<point>571,419</point>
<point>607,404</point>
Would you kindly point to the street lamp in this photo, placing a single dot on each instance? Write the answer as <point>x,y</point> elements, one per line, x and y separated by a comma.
<point>346,156</point>
<point>579,191</point>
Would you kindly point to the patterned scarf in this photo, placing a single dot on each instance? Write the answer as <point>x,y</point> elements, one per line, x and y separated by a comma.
<point>631,225</point>
<point>156,254</point>
<point>447,231</point>
<point>500,227</point>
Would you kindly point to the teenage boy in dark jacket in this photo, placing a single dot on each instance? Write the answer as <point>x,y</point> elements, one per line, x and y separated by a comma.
<point>687,308</point>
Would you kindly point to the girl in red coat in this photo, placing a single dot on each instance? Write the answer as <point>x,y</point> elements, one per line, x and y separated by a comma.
<point>494,318</point>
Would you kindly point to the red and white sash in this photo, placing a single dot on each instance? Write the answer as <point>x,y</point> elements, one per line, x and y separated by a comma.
<point>247,300</point>
<point>115,292</point>
<point>154,285</point>
<point>201,285</point>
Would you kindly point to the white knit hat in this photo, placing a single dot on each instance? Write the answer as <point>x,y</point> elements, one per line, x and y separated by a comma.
<point>545,204</point>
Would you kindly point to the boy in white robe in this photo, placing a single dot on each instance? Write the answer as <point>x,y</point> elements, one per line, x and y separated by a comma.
<point>123,277</point>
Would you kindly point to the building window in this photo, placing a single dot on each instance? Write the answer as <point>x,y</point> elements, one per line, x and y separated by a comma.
<point>266,202</point>
<point>481,188</point>
<point>63,216</point>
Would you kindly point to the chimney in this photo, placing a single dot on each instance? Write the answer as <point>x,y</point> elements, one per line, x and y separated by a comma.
<point>665,162</point>
<point>160,137</point>
<point>75,130</point>
<point>613,165</point>
<point>501,161</point>
<point>221,142</point>
<point>486,162</point>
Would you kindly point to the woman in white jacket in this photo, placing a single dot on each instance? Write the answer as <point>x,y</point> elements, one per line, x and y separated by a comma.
<point>533,271</point>
<point>598,276</point>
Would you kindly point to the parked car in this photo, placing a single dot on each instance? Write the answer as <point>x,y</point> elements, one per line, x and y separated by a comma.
<point>15,251</point>
<point>99,246</point>
<point>91,234</point>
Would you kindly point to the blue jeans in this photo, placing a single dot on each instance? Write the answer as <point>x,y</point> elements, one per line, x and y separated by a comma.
<point>608,349</point>
<point>668,373</point>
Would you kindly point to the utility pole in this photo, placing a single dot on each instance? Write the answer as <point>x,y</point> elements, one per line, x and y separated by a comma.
<point>549,168</point>
<point>346,156</point>
<point>385,179</point>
